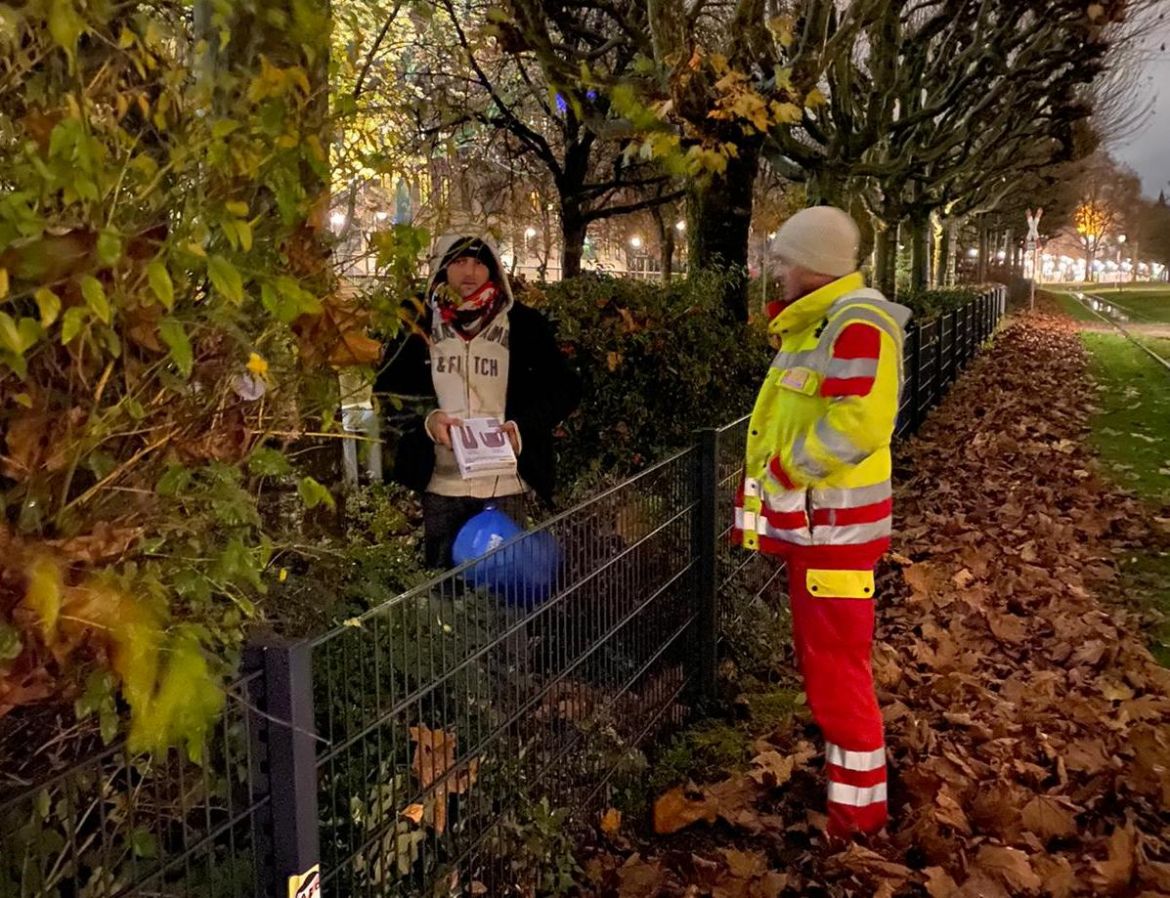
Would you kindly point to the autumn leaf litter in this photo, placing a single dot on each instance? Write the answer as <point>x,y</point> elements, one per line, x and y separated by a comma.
<point>1028,725</point>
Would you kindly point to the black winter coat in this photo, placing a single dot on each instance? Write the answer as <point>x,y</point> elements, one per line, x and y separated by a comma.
<point>542,391</point>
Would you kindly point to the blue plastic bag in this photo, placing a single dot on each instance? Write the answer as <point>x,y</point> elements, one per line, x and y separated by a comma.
<point>523,573</point>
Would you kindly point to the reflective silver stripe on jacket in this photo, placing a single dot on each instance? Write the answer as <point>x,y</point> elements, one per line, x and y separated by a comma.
<point>785,501</point>
<point>804,460</point>
<point>838,444</point>
<point>849,368</point>
<point>854,497</point>
<point>800,536</point>
<point>852,534</point>
<point>809,358</point>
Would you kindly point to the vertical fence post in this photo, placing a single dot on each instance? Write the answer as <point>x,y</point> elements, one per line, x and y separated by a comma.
<point>915,338</point>
<point>939,364</point>
<point>706,548</point>
<point>287,756</point>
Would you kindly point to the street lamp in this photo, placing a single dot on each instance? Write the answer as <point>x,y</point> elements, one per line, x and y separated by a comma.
<point>337,219</point>
<point>1120,274</point>
<point>529,233</point>
<point>680,226</point>
<point>636,242</point>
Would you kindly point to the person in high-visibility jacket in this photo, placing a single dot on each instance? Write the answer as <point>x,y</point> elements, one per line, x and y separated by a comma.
<point>817,489</point>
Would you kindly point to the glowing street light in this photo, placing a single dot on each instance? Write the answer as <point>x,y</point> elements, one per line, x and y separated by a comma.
<point>973,253</point>
<point>636,242</point>
<point>530,232</point>
<point>337,219</point>
<point>680,226</point>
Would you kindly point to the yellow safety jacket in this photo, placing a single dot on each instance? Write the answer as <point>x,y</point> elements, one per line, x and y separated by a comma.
<point>817,479</point>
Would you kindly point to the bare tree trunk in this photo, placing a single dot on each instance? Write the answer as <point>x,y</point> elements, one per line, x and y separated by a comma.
<point>886,259</point>
<point>573,230</point>
<point>719,215</point>
<point>919,249</point>
<point>981,267</point>
<point>941,247</point>
<point>665,243</point>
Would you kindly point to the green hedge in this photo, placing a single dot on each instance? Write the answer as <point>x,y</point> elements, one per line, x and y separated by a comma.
<point>657,362</point>
<point>927,304</point>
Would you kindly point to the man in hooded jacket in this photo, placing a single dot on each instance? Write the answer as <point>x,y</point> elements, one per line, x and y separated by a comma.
<point>477,353</point>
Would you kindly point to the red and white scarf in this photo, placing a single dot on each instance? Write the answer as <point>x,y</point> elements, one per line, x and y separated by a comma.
<point>471,314</point>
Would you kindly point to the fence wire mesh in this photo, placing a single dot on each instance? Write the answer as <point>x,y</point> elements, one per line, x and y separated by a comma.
<point>123,824</point>
<point>458,719</point>
<point>453,710</point>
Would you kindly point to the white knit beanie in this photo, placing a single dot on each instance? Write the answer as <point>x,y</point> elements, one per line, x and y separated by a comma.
<point>823,239</point>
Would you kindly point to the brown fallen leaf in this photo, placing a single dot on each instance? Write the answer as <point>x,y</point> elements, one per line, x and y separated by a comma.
<point>639,879</point>
<point>1011,865</point>
<point>1117,871</point>
<point>772,769</point>
<point>963,579</point>
<point>1048,817</point>
<point>435,768</point>
<point>675,811</point>
<point>984,885</point>
<point>939,883</point>
<point>744,864</point>
<point>1060,881</point>
<point>611,822</point>
<point>1156,875</point>
<point>858,859</point>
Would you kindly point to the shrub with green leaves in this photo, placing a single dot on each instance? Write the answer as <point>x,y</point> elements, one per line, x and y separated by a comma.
<point>927,304</point>
<point>658,362</point>
<point>166,327</point>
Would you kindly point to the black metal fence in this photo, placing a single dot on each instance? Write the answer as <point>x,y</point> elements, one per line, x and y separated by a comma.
<point>120,824</point>
<point>426,747</point>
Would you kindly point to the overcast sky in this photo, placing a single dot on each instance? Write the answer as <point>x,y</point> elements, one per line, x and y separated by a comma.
<point>1148,152</point>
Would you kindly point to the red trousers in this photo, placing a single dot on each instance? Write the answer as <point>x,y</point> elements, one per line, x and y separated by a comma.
<point>834,645</point>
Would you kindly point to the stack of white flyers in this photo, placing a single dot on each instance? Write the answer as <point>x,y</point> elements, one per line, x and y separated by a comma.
<point>481,449</point>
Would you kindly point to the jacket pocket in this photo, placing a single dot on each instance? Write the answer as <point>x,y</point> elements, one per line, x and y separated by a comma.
<point>840,584</point>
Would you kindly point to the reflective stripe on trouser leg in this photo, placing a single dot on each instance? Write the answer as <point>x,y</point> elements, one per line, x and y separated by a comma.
<point>834,642</point>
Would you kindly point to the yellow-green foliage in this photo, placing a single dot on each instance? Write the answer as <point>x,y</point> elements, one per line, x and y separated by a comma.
<point>162,300</point>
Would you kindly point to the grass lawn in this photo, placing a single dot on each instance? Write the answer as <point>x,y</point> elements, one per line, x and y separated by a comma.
<point>1131,435</point>
<point>1160,345</point>
<point>1144,304</point>
<point>1073,307</point>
